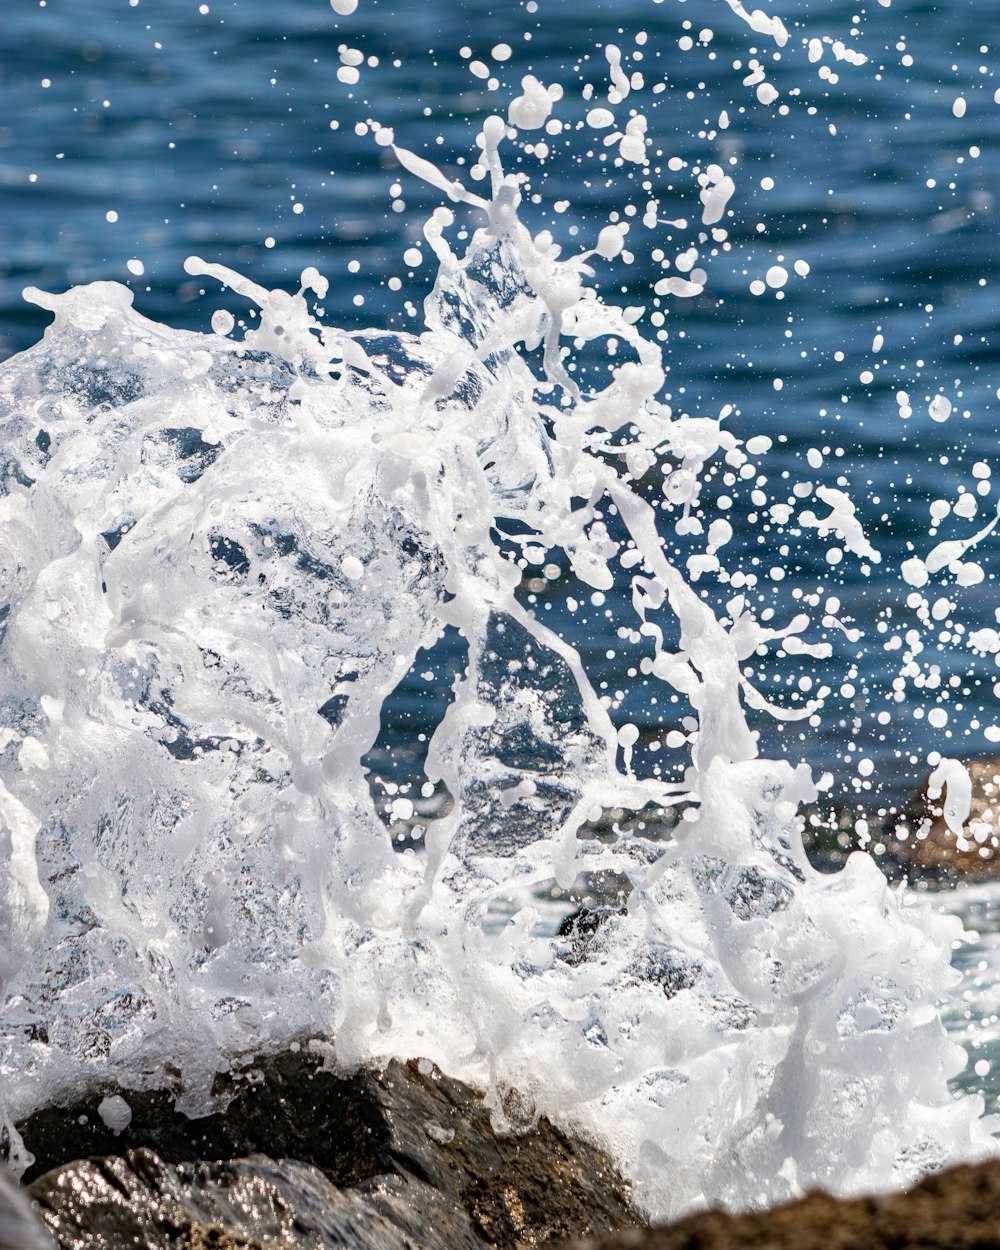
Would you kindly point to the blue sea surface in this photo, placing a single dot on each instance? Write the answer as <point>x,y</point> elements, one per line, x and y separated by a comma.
<point>157,129</point>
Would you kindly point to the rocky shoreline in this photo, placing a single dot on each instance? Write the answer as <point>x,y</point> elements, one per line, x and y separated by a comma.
<point>401,1158</point>
<point>958,1209</point>
<point>395,1158</point>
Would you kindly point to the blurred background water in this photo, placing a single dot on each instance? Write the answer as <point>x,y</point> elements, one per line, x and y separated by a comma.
<point>151,130</point>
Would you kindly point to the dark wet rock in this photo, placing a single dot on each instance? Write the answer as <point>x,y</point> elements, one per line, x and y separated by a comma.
<point>138,1200</point>
<point>413,1147</point>
<point>586,932</point>
<point>954,1210</point>
<point>582,929</point>
<point>20,1225</point>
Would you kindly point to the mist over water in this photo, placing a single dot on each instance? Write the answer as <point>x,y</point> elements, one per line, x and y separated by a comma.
<point>616,461</point>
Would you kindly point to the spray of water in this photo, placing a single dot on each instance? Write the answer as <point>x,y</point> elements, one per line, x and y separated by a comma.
<point>221,556</point>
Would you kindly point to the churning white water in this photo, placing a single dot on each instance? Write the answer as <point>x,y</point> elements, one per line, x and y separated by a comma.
<point>222,553</point>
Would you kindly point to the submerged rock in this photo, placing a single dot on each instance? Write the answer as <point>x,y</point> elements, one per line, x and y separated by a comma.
<point>954,1210</point>
<point>396,1156</point>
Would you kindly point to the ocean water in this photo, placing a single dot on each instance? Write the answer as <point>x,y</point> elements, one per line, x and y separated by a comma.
<point>414,536</point>
<point>209,132</point>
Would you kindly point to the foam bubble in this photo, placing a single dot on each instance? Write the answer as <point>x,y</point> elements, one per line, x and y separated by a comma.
<point>940,408</point>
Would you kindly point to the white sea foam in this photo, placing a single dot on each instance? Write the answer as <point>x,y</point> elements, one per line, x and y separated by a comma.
<point>222,556</point>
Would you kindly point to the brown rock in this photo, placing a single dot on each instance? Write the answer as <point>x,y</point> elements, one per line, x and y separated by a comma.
<point>954,1210</point>
<point>932,847</point>
<point>398,1139</point>
<point>246,1204</point>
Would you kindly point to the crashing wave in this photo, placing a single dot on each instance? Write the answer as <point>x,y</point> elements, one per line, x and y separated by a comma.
<point>220,557</point>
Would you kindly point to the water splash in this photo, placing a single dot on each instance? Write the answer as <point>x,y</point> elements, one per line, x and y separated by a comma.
<point>221,558</point>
